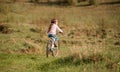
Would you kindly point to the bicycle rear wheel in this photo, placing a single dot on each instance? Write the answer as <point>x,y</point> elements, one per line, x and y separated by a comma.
<point>51,49</point>
<point>48,48</point>
<point>55,51</point>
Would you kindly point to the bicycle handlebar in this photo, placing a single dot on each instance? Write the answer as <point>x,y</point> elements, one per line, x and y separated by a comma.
<point>61,33</point>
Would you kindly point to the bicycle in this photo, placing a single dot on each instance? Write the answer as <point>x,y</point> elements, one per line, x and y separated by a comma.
<point>51,48</point>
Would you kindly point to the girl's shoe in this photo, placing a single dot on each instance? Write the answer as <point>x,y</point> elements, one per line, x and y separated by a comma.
<point>55,44</point>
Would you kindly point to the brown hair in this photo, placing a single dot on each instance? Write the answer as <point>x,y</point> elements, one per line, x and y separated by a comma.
<point>50,27</point>
<point>52,22</point>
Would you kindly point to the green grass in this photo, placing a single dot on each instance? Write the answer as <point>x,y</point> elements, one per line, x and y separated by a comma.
<point>15,40</point>
<point>90,42</point>
<point>20,62</point>
<point>39,63</point>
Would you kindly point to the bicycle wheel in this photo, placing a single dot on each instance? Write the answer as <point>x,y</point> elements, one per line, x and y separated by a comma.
<point>55,51</point>
<point>48,48</point>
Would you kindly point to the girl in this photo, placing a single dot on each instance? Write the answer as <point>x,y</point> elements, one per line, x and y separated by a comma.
<point>53,28</point>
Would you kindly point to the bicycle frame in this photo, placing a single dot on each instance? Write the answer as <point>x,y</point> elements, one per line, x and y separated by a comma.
<point>51,48</point>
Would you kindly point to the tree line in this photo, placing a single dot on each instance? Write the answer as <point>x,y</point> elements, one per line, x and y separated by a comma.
<point>69,2</point>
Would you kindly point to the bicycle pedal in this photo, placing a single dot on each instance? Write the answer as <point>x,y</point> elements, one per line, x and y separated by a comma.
<point>52,48</point>
<point>49,48</point>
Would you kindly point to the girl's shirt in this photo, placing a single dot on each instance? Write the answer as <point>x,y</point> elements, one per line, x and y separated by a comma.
<point>54,28</point>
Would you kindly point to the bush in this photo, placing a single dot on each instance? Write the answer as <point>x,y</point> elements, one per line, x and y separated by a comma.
<point>34,1</point>
<point>4,28</point>
<point>93,2</point>
<point>72,2</point>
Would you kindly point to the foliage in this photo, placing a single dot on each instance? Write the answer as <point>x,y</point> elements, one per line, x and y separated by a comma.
<point>93,2</point>
<point>72,2</point>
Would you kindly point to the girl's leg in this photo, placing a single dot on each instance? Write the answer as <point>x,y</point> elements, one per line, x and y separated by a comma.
<point>56,41</point>
<point>55,37</point>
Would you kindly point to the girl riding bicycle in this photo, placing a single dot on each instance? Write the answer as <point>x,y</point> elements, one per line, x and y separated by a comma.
<point>53,28</point>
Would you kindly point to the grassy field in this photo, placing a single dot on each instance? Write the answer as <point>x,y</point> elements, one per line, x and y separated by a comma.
<point>91,40</point>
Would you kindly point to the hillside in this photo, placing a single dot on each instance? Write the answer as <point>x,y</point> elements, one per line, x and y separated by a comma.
<point>91,40</point>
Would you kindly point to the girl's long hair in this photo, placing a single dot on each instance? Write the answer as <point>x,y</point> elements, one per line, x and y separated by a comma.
<point>50,27</point>
<point>52,22</point>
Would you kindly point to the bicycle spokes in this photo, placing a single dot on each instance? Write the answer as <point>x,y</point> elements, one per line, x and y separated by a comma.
<point>51,48</point>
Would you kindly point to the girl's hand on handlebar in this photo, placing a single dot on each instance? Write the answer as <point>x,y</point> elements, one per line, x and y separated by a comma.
<point>61,33</point>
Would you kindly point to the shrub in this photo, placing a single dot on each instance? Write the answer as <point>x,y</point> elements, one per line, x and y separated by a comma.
<point>72,2</point>
<point>34,1</point>
<point>4,28</point>
<point>93,2</point>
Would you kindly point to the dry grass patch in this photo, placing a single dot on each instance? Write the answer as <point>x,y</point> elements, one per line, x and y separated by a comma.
<point>32,48</point>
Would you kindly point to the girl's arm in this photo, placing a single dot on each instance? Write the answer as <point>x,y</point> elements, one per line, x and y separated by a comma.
<point>59,29</point>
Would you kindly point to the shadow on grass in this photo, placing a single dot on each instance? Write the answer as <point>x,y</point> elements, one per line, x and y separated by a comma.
<point>52,4</point>
<point>83,5</point>
<point>110,3</point>
<point>73,60</point>
<point>104,3</point>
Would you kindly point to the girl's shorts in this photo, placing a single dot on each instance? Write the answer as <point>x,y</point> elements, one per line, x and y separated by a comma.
<point>54,36</point>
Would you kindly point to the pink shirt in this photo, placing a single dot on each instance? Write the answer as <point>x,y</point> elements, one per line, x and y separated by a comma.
<point>54,28</point>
